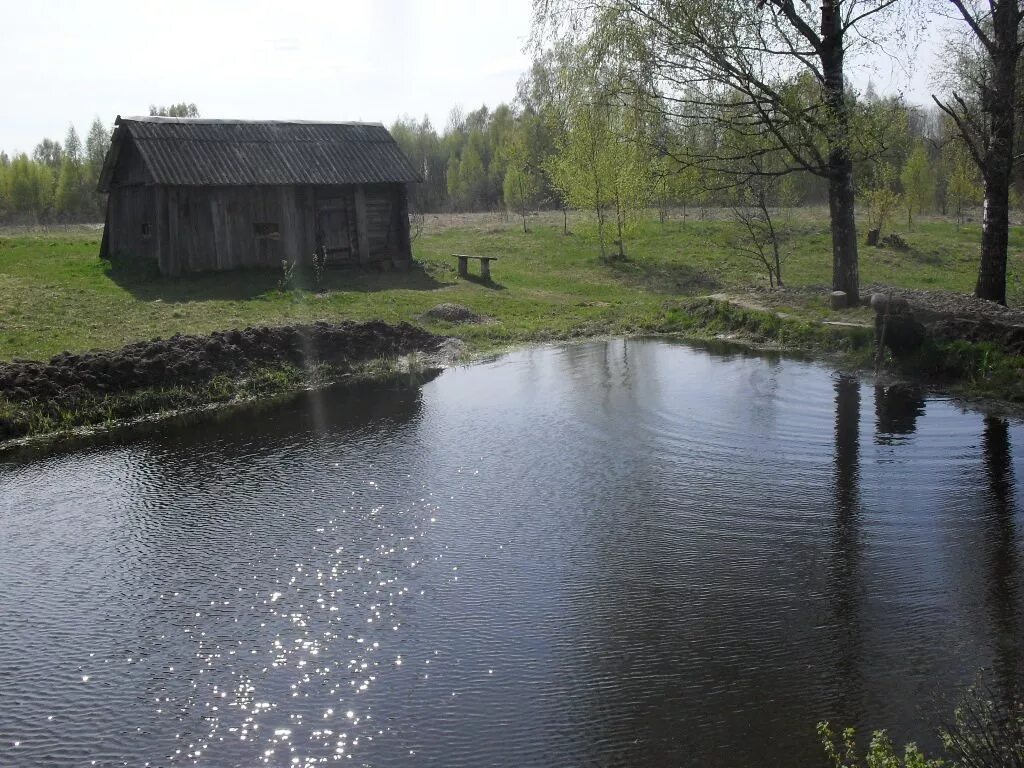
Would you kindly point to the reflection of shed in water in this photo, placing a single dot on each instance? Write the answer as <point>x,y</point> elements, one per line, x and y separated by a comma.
<point>198,195</point>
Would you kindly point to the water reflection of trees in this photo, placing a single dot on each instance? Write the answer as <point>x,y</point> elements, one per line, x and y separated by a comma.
<point>1003,570</point>
<point>847,546</point>
<point>897,408</point>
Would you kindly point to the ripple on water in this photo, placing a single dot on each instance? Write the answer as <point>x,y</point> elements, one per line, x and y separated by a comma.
<point>610,553</point>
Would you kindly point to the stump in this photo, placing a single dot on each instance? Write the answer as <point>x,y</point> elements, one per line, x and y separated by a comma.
<point>873,235</point>
<point>837,300</point>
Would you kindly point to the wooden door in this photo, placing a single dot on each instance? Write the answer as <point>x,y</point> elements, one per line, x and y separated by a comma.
<point>332,231</point>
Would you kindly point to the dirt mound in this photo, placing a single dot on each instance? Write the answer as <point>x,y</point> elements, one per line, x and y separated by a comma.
<point>454,313</point>
<point>188,359</point>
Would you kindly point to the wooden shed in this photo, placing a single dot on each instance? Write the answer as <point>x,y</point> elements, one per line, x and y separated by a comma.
<point>198,195</point>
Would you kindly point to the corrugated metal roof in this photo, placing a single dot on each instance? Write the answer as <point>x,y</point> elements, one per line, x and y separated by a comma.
<point>198,152</point>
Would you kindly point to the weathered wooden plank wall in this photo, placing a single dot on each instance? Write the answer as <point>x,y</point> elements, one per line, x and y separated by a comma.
<point>221,228</point>
<point>132,221</point>
<point>200,229</point>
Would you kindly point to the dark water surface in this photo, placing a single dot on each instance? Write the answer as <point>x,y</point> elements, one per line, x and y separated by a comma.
<point>622,553</point>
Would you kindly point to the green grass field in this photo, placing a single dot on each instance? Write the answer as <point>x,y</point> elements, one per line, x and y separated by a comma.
<point>56,295</point>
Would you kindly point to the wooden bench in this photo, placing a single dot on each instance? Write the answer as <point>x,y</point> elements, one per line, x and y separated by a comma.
<point>485,264</point>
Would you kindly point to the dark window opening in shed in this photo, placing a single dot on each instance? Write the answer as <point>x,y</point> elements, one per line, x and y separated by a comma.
<point>266,230</point>
<point>145,229</point>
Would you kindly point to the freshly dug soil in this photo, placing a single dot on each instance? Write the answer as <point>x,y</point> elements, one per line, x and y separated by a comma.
<point>192,359</point>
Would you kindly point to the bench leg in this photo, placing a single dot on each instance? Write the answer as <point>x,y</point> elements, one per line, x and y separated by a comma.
<point>463,266</point>
<point>485,269</point>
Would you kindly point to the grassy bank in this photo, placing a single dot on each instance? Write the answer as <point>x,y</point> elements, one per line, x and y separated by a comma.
<point>56,295</point>
<point>976,370</point>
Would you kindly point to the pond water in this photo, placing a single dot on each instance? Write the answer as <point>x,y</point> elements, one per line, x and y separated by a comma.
<point>614,553</point>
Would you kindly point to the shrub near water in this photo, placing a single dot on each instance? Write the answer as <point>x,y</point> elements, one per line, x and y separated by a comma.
<point>982,366</point>
<point>881,752</point>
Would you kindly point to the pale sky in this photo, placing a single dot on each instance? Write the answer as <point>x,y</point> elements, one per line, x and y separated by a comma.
<point>63,61</point>
<point>373,60</point>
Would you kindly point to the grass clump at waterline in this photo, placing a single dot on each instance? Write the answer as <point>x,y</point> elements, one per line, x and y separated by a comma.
<point>974,369</point>
<point>43,416</point>
<point>977,369</point>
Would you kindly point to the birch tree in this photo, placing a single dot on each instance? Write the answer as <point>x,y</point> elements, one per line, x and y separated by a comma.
<point>519,187</point>
<point>918,183</point>
<point>755,57</point>
<point>983,105</point>
<point>600,166</point>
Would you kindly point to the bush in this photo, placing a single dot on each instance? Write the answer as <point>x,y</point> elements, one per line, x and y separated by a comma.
<point>987,730</point>
<point>881,751</point>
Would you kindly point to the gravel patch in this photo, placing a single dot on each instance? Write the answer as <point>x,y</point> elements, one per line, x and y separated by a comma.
<point>950,304</point>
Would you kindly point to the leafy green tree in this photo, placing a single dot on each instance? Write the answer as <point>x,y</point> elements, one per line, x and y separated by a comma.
<point>599,168</point>
<point>774,63</point>
<point>983,102</point>
<point>30,187</point>
<point>49,153</point>
<point>472,181</point>
<point>453,181</point>
<point>97,142</point>
<point>520,185</point>
<point>96,145</point>
<point>582,168</point>
<point>5,201</point>
<point>72,146</point>
<point>918,182</point>
<point>963,190</point>
<point>882,198</point>
<point>421,144</point>
<point>70,198</point>
<point>181,109</point>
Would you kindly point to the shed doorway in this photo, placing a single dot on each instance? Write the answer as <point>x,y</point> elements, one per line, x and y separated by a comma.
<point>333,231</point>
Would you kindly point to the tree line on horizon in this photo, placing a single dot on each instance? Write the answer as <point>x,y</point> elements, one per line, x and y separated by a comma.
<point>524,154</point>
<point>521,157</point>
<point>57,182</point>
<point>543,152</point>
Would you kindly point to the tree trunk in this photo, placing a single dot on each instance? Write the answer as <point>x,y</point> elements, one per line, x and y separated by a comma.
<point>778,265</point>
<point>841,197</point>
<point>618,227</point>
<point>994,236</point>
<point>522,201</point>
<point>845,275</point>
<point>999,101</point>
